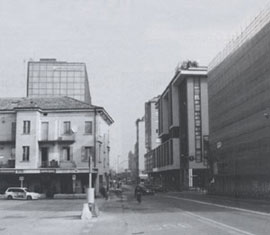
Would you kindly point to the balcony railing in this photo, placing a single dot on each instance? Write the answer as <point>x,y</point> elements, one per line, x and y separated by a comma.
<point>9,164</point>
<point>10,141</point>
<point>51,164</point>
<point>67,164</point>
<point>64,138</point>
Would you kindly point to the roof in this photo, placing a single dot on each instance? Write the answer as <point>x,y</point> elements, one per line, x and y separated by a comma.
<point>44,103</point>
<point>183,73</point>
<point>48,103</point>
<point>54,62</point>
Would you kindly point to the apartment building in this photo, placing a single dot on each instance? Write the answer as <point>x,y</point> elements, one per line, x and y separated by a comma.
<point>49,77</point>
<point>51,143</point>
<point>180,161</point>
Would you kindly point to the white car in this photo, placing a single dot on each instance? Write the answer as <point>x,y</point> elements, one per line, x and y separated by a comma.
<point>20,193</point>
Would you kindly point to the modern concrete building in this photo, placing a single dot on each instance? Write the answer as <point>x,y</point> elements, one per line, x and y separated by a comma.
<point>180,161</point>
<point>140,150</point>
<point>51,143</point>
<point>239,112</point>
<point>132,164</point>
<point>151,132</point>
<point>48,77</point>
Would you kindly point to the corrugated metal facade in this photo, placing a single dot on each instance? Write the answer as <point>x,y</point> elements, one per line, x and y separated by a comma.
<point>239,103</point>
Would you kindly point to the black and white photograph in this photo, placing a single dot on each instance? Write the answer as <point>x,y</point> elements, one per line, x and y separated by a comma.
<point>134,117</point>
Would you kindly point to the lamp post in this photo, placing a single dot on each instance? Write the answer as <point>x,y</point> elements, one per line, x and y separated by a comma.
<point>91,190</point>
<point>137,147</point>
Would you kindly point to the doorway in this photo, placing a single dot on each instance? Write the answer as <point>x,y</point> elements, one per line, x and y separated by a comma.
<point>44,157</point>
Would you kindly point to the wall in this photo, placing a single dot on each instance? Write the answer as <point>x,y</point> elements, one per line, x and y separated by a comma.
<point>142,149</point>
<point>6,153</point>
<point>30,140</point>
<point>77,120</point>
<point>238,99</point>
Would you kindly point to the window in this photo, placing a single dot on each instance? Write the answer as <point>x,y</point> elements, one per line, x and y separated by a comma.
<point>87,152</point>
<point>197,107</point>
<point>26,127</point>
<point>13,130</point>
<point>26,151</point>
<point>66,154</point>
<point>88,127</point>
<point>67,129</point>
<point>44,130</point>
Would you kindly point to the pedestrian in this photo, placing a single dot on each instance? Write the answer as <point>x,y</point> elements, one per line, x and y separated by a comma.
<point>104,192</point>
<point>138,193</point>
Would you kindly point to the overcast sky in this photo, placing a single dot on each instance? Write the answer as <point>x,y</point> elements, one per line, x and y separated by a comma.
<point>130,47</point>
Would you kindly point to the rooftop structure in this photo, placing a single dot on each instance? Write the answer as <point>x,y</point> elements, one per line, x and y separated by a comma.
<point>49,77</point>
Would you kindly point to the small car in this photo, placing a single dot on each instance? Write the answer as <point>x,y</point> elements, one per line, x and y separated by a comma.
<point>159,188</point>
<point>20,193</point>
<point>146,190</point>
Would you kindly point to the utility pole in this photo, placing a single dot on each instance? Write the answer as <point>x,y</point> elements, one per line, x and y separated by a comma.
<point>137,147</point>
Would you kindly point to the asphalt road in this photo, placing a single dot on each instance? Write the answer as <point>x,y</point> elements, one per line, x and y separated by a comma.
<point>43,217</point>
<point>164,213</point>
<point>180,213</point>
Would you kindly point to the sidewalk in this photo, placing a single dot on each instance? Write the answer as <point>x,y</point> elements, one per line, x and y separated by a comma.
<point>111,218</point>
<point>243,203</point>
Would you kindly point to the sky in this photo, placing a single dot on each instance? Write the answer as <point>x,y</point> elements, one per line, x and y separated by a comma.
<point>131,47</point>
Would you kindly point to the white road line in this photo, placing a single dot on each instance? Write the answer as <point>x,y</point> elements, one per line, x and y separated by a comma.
<point>219,205</point>
<point>218,224</point>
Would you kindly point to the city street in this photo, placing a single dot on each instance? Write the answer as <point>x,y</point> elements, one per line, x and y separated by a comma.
<point>183,213</point>
<point>163,213</point>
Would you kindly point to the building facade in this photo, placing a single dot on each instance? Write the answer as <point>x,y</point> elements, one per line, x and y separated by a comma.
<point>151,132</point>
<point>180,161</point>
<point>48,77</point>
<point>239,113</point>
<point>139,149</point>
<point>51,144</point>
<point>132,165</point>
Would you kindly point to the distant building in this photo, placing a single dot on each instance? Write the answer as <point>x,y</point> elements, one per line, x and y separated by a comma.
<point>48,77</point>
<point>239,110</point>
<point>132,165</point>
<point>48,142</point>
<point>139,150</point>
<point>151,132</point>
<point>180,160</point>
<point>151,124</point>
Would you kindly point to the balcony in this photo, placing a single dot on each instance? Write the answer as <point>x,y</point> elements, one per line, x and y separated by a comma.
<point>51,164</point>
<point>62,139</point>
<point>67,164</point>
<point>10,141</point>
<point>67,137</point>
<point>9,164</point>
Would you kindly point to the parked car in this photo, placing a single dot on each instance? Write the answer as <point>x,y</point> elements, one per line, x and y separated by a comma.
<point>20,193</point>
<point>146,190</point>
<point>159,188</point>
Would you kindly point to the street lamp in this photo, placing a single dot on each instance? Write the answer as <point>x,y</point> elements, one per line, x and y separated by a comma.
<point>91,190</point>
<point>137,147</point>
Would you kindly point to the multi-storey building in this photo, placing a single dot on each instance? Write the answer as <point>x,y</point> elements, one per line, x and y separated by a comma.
<point>239,113</point>
<point>139,150</point>
<point>51,143</point>
<point>132,165</point>
<point>48,77</point>
<point>151,132</point>
<point>179,161</point>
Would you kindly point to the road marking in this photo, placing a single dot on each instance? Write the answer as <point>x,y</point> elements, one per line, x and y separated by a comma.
<point>164,227</point>
<point>218,224</point>
<point>222,206</point>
